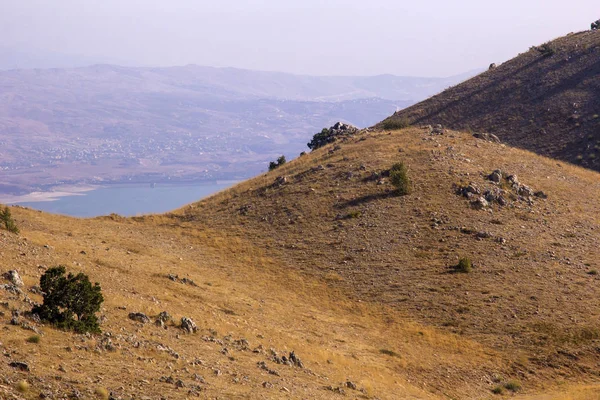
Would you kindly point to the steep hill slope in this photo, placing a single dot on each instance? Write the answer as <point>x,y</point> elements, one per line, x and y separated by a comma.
<point>545,100</point>
<point>331,264</point>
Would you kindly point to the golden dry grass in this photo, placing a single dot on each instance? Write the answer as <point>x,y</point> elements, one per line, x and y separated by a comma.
<point>366,299</point>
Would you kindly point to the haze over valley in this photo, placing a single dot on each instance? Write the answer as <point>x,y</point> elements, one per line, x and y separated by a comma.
<point>108,124</point>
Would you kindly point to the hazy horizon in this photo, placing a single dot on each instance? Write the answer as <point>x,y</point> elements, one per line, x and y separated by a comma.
<point>341,37</point>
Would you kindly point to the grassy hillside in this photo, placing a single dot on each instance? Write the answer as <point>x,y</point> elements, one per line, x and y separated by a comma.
<point>333,265</point>
<point>544,100</point>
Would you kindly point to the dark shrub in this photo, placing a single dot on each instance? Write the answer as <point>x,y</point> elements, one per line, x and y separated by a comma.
<point>596,25</point>
<point>546,49</point>
<point>392,124</point>
<point>464,266</point>
<point>276,164</point>
<point>70,302</point>
<point>321,139</point>
<point>399,178</point>
<point>7,220</point>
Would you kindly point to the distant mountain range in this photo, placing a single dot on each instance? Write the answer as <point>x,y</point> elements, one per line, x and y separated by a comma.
<point>106,123</point>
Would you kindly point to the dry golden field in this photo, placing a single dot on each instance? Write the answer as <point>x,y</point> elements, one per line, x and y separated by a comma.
<point>332,265</point>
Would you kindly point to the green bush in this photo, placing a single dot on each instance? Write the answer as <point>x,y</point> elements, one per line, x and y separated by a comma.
<point>321,139</point>
<point>546,49</point>
<point>498,390</point>
<point>513,386</point>
<point>70,302</point>
<point>399,178</point>
<point>392,124</point>
<point>464,266</point>
<point>276,164</point>
<point>33,339</point>
<point>8,221</point>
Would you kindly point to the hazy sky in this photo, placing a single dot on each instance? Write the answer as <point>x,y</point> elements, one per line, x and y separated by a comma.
<point>324,37</point>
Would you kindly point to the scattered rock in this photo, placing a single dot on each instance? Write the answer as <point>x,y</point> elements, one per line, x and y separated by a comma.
<point>470,191</point>
<point>436,129</point>
<point>21,366</point>
<point>188,325</point>
<point>496,176</point>
<point>162,319</point>
<point>263,365</point>
<point>36,290</point>
<point>492,66</point>
<point>11,289</point>
<point>333,389</point>
<point>351,385</point>
<point>480,203</point>
<point>507,188</point>
<point>280,181</point>
<point>185,281</point>
<point>139,317</point>
<point>106,344</point>
<point>338,131</point>
<point>13,277</point>
<point>488,137</point>
<point>525,190</point>
<point>295,360</point>
<point>496,195</point>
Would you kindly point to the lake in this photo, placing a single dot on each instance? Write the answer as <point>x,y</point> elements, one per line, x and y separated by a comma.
<point>129,200</point>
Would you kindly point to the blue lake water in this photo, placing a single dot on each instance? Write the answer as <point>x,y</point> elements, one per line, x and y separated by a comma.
<point>129,200</point>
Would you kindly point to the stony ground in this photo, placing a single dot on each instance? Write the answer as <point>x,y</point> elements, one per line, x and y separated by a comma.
<point>544,100</point>
<point>321,258</point>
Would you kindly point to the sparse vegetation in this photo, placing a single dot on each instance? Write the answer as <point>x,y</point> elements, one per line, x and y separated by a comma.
<point>70,302</point>
<point>330,135</point>
<point>102,393</point>
<point>22,386</point>
<point>394,254</point>
<point>547,49</point>
<point>498,390</point>
<point>353,214</point>
<point>7,220</point>
<point>464,266</point>
<point>399,178</point>
<point>276,164</point>
<point>513,386</point>
<point>33,339</point>
<point>390,353</point>
<point>321,139</point>
<point>393,124</point>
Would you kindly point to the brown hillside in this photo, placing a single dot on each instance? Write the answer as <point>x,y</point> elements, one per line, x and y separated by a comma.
<point>546,100</point>
<point>336,267</point>
<point>533,293</point>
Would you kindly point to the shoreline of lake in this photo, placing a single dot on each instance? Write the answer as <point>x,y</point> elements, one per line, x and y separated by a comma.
<point>123,198</point>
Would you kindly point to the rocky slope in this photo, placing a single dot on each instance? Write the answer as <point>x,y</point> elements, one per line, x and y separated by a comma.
<point>322,258</point>
<point>544,100</point>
